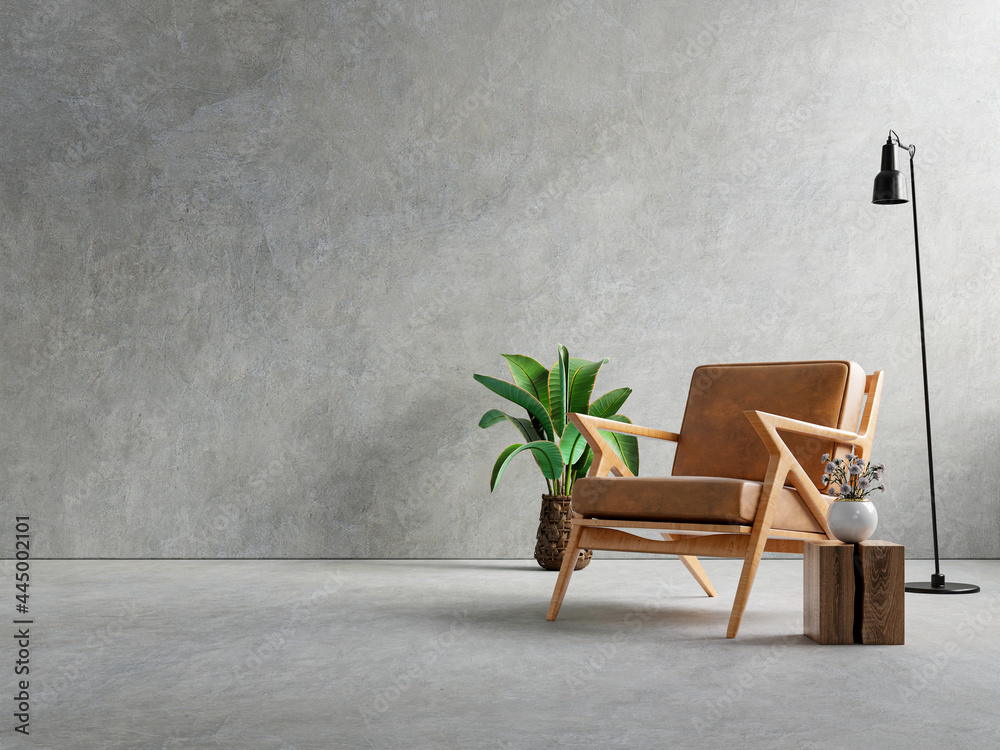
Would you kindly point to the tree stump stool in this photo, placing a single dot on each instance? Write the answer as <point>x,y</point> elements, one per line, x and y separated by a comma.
<point>853,593</point>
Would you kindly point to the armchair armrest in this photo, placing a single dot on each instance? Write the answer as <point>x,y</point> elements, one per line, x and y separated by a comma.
<point>767,426</point>
<point>805,428</point>
<point>606,461</point>
<point>770,423</point>
<point>623,427</point>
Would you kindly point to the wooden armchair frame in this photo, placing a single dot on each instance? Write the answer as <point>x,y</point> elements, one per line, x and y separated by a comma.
<point>688,540</point>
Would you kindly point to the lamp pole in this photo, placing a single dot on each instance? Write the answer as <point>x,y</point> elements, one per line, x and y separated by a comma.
<point>890,188</point>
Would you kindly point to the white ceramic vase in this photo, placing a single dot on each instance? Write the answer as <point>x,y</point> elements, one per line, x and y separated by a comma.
<point>852,521</point>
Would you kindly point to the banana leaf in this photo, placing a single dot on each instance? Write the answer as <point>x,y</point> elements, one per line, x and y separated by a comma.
<point>581,467</point>
<point>547,456</point>
<point>582,374</point>
<point>610,403</point>
<point>572,445</point>
<point>530,376</point>
<point>521,398</point>
<point>626,446</point>
<point>525,426</point>
<point>559,390</point>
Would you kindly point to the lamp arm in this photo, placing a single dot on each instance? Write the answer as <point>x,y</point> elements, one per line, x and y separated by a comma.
<point>911,149</point>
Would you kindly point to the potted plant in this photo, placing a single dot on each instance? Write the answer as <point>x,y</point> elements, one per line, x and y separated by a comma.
<point>852,517</point>
<point>559,450</point>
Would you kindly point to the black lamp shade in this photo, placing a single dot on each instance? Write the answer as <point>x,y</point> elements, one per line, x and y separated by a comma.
<point>890,183</point>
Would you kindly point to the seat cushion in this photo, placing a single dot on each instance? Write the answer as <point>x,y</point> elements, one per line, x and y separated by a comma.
<point>716,438</point>
<point>686,500</point>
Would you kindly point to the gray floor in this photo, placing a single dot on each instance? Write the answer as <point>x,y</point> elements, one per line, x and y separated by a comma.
<point>290,655</point>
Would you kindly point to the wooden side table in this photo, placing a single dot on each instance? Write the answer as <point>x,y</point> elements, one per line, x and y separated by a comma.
<point>853,593</point>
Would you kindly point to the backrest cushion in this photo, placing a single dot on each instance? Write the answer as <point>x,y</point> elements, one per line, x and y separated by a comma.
<point>716,438</point>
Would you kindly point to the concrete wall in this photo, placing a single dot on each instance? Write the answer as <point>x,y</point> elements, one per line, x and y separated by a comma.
<point>253,252</point>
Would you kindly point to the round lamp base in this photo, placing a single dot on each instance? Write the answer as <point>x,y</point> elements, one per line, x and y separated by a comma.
<point>926,587</point>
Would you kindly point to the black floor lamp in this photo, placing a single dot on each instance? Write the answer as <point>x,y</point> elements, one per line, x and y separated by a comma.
<point>890,188</point>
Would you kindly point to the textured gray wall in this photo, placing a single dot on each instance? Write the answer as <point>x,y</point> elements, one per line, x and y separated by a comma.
<point>254,251</point>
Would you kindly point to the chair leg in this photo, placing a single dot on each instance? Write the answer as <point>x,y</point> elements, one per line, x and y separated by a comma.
<point>694,567</point>
<point>750,564</point>
<point>774,480</point>
<point>568,565</point>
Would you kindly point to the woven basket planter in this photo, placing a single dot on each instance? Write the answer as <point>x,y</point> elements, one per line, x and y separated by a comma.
<point>553,534</point>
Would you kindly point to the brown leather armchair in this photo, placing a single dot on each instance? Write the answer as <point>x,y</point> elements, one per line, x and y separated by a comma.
<point>747,471</point>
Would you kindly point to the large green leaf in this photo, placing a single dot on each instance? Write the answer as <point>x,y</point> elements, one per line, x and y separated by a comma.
<point>520,397</point>
<point>572,445</point>
<point>524,426</point>
<point>547,456</point>
<point>582,466</point>
<point>582,374</point>
<point>626,446</point>
<point>530,376</point>
<point>610,402</point>
<point>559,390</point>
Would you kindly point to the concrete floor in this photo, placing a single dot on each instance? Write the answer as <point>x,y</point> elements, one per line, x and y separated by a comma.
<point>289,655</point>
